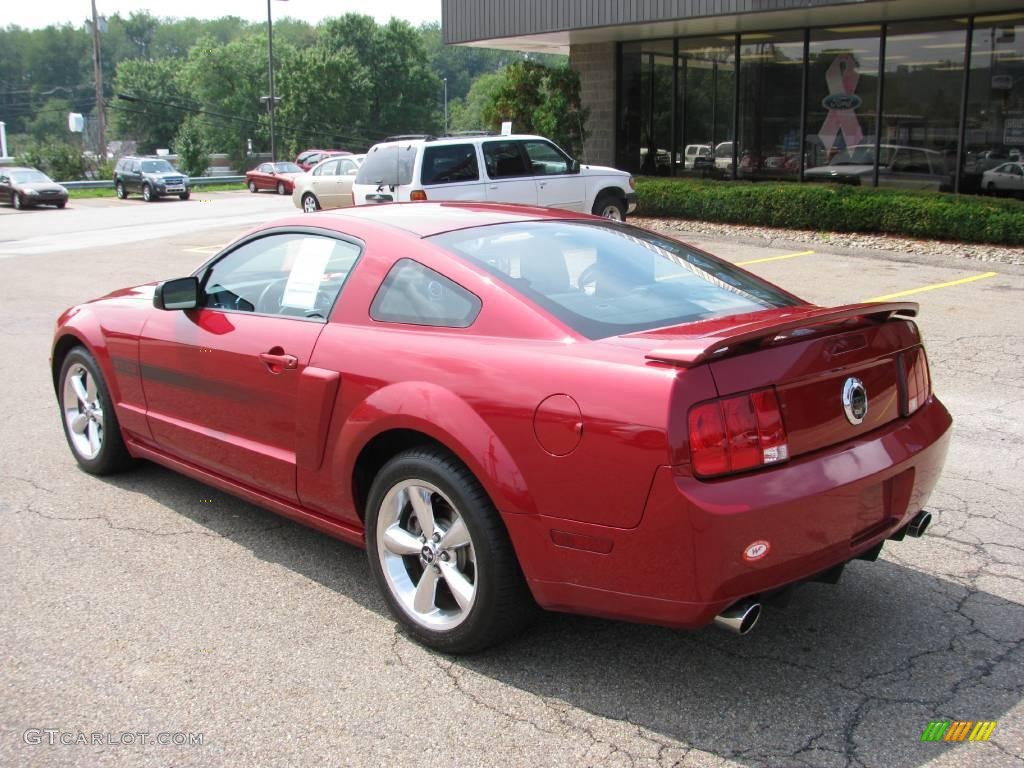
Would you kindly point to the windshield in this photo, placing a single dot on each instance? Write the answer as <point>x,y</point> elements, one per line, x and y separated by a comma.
<point>157,166</point>
<point>287,168</point>
<point>388,165</point>
<point>30,177</point>
<point>862,154</point>
<point>604,280</point>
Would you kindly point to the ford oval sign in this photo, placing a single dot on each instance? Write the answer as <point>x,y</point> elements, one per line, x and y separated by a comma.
<point>841,101</point>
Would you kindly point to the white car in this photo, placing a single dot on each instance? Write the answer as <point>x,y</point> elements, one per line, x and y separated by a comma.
<point>529,170</point>
<point>899,166</point>
<point>1008,177</point>
<point>328,184</point>
<point>698,156</point>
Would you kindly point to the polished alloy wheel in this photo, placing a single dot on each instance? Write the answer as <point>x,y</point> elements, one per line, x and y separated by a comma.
<point>427,555</point>
<point>309,204</point>
<point>83,412</point>
<point>280,188</point>
<point>612,212</point>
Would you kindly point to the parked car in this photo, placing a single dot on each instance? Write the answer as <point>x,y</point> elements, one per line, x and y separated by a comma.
<point>152,177</point>
<point>277,177</point>
<point>28,187</point>
<point>327,185</point>
<point>1007,178</point>
<point>510,406</point>
<point>723,156</point>
<point>306,160</point>
<point>698,156</point>
<point>508,169</point>
<point>899,166</point>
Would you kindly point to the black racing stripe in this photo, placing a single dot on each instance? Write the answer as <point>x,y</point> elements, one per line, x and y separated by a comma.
<point>207,387</point>
<point>126,366</point>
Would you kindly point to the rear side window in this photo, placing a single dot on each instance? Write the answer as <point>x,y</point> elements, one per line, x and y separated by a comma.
<point>414,294</point>
<point>504,159</point>
<point>449,164</point>
<point>389,165</point>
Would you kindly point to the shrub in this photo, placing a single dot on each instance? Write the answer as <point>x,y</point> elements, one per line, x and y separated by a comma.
<point>60,161</point>
<point>836,208</point>
<point>190,146</point>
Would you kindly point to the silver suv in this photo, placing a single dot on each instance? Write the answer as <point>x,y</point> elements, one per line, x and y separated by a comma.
<point>528,170</point>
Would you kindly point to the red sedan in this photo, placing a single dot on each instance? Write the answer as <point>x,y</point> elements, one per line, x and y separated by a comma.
<point>279,177</point>
<point>512,407</point>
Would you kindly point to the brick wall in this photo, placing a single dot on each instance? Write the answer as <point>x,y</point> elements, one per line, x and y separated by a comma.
<point>595,63</point>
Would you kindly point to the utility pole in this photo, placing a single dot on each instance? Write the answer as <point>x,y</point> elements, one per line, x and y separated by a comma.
<point>101,140</point>
<point>271,102</point>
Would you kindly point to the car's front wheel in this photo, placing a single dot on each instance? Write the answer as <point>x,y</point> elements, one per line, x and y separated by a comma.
<point>87,414</point>
<point>122,193</point>
<point>310,203</point>
<point>184,195</point>
<point>16,201</point>
<point>147,193</point>
<point>441,555</point>
<point>252,186</point>
<point>609,206</point>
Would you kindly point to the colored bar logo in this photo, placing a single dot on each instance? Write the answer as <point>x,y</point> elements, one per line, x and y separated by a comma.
<point>958,730</point>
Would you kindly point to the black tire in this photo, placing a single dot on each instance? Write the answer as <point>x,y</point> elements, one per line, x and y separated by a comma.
<point>16,201</point>
<point>503,605</point>
<point>991,189</point>
<point>280,188</point>
<point>184,195</point>
<point>252,187</point>
<point>606,203</point>
<point>310,203</point>
<point>113,456</point>
<point>122,193</point>
<point>62,203</point>
<point>147,193</point>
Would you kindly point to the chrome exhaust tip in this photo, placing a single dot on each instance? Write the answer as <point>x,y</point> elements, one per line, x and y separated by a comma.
<point>740,617</point>
<point>919,524</point>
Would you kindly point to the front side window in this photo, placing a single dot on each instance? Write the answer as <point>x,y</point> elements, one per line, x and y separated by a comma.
<point>449,164</point>
<point>603,280</point>
<point>504,159</point>
<point>293,275</point>
<point>417,295</point>
<point>545,160</point>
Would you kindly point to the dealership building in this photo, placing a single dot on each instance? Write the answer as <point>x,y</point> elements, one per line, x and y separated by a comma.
<point>924,94</point>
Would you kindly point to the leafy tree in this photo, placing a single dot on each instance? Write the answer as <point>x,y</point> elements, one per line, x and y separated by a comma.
<point>154,116</point>
<point>59,160</point>
<point>542,100</point>
<point>468,114</point>
<point>190,146</point>
<point>50,122</point>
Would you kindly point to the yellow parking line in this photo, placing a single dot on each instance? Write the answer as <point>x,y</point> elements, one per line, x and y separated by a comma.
<point>774,258</point>
<point>206,249</point>
<point>934,287</point>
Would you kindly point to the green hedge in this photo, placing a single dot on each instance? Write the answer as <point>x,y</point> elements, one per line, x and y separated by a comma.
<point>836,208</point>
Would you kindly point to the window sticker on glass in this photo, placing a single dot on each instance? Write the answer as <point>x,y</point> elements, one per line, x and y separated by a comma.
<point>309,261</point>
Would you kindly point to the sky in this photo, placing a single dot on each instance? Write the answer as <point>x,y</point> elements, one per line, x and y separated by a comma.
<point>33,15</point>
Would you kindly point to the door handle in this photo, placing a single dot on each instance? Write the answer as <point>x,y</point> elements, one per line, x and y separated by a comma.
<point>493,186</point>
<point>542,184</point>
<point>278,361</point>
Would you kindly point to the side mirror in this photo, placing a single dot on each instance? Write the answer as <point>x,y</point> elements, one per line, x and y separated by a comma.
<point>574,166</point>
<point>182,293</point>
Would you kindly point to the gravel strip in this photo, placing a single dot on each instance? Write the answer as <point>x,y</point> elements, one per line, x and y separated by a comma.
<point>768,236</point>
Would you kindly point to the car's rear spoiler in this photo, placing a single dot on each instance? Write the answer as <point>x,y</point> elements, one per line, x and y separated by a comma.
<point>700,349</point>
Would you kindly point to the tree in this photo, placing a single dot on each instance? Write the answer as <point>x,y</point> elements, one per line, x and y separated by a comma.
<point>59,160</point>
<point>50,122</point>
<point>468,114</point>
<point>156,113</point>
<point>542,100</point>
<point>190,146</point>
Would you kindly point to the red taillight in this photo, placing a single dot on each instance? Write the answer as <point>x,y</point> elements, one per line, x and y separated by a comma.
<point>918,381</point>
<point>737,433</point>
<point>418,195</point>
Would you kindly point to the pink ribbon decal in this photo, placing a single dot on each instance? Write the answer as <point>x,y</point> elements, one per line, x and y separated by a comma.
<point>841,103</point>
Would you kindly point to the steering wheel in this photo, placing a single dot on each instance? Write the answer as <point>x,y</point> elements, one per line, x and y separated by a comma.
<point>269,302</point>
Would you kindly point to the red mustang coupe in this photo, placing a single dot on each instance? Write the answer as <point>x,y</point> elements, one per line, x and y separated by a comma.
<point>279,177</point>
<point>512,407</point>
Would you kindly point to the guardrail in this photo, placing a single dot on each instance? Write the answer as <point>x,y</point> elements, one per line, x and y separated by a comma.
<point>197,181</point>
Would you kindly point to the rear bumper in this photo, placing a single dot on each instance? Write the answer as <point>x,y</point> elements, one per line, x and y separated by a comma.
<point>684,563</point>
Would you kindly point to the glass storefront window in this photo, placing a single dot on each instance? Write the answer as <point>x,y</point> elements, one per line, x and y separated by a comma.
<point>924,70</point>
<point>645,120</point>
<point>994,134</point>
<point>771,81</point>
<point>842,104</point>
<point>707,72</point>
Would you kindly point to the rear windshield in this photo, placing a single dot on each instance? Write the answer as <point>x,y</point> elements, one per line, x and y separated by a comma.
<point>390,165</point>
<point>604,280</point>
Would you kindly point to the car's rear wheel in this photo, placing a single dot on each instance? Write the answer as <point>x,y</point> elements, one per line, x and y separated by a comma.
<point>991,188</point>
<point>309,203</point>
<point>16,201</point>
<point>441,555</point>
<point>280,188</point>
<point>87,414</point>
<point>252,186</point>
<point>147,193</point>
<point>609,206</point>
<point>122,193</point>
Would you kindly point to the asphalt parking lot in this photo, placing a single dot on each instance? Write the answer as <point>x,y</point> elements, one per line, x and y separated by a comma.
<point>150,604</point>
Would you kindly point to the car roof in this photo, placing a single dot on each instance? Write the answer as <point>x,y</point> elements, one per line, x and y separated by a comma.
<point>425,219</point>
<point>442,140</point>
